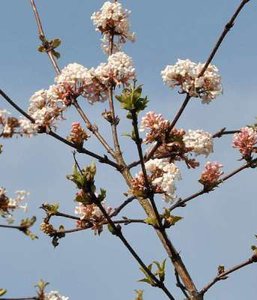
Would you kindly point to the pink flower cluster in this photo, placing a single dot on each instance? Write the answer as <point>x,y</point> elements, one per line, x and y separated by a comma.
<point>246,141</point>
<point>112,21</point>
<point>77,135</point>
<point>211,174</point>
<point>91,216</point>
<point>156,126</point>
<point>185,74</point>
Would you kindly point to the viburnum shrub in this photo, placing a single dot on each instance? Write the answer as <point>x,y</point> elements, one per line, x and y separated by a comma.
<point>163,151</point>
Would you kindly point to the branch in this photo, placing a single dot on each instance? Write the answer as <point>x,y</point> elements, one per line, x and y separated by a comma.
<point>180,285</point>
<point>182,202</point>
<point>138,142</point>
<point>226,29</point>
<point>21,228</point>
<point>119,208</point>
<point>101,159</point>
<point>223,275</point>
<point>223,131</point>
<point>118,233</point>
<point>27,298</point>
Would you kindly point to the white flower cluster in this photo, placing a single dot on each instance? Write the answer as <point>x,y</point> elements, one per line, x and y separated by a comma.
<point>90,211</point>
<point>200,141</point>
<point>55,295</point>
<point>121,68</point>
<point>45,108</point>
<point>112,20</point>
<point>164,175</point>
<point>16,202</point>
<point>93,83</point>
<point>185,74</point>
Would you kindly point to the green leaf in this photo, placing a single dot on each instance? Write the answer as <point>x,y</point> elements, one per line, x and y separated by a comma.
<point>25,227</point>
<point>131,100</point>
<point>41,49</point>
<point>56,54</point>
<point>2,292</point>
<point>55,43</point>
<point>102,195</point>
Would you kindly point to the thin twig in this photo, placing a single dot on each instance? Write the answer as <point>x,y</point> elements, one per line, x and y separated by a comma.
<point>182,202</point>
<point>223,131</point>
<point>27,298</point>
<point>226,29</point>
<point>223,275</point>
<point>12,227</point>
<point>180,285</point>
<point>43,37</point>
<point>124,204</point>
<point>92,128</point>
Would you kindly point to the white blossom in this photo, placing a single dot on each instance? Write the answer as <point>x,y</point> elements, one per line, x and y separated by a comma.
<point>55,295</point>
<point>112,20</point>
<point>185,74</point>
<point>164,175</point>
<point>121,68</point>
<point>200,141</point>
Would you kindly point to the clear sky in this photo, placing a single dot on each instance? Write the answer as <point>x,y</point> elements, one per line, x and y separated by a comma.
<point>217,228</point>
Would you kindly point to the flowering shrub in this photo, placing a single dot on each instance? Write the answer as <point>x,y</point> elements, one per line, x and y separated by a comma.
<point>164,152</point>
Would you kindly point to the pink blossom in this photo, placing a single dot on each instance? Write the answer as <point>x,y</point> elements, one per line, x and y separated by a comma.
<point>211,174</point>
<point>245,141</point>
<point>155,124</point>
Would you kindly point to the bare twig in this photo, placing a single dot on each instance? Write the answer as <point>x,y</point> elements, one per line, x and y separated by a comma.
<point>43,37</point>
<point>124,204</point>
<point>223,275</point>
<point>226,29</point>
<point>223,131</point>
<point>21,228</point>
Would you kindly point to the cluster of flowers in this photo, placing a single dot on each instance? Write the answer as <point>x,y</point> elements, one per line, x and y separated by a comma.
<point>47,106</point>
<point>9,205</point>
<point>211,174</point>
<point>185,74</point>
<point>91,216</point>
<point>176,145</point>
<point>157,129</point>
<point>77,134</point>
<point>246,141</point>
<point>54,295</point>
<point>112,21</point>
<point>162,174</point>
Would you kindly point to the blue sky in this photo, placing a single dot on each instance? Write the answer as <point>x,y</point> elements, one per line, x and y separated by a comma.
<point>217,228</point>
